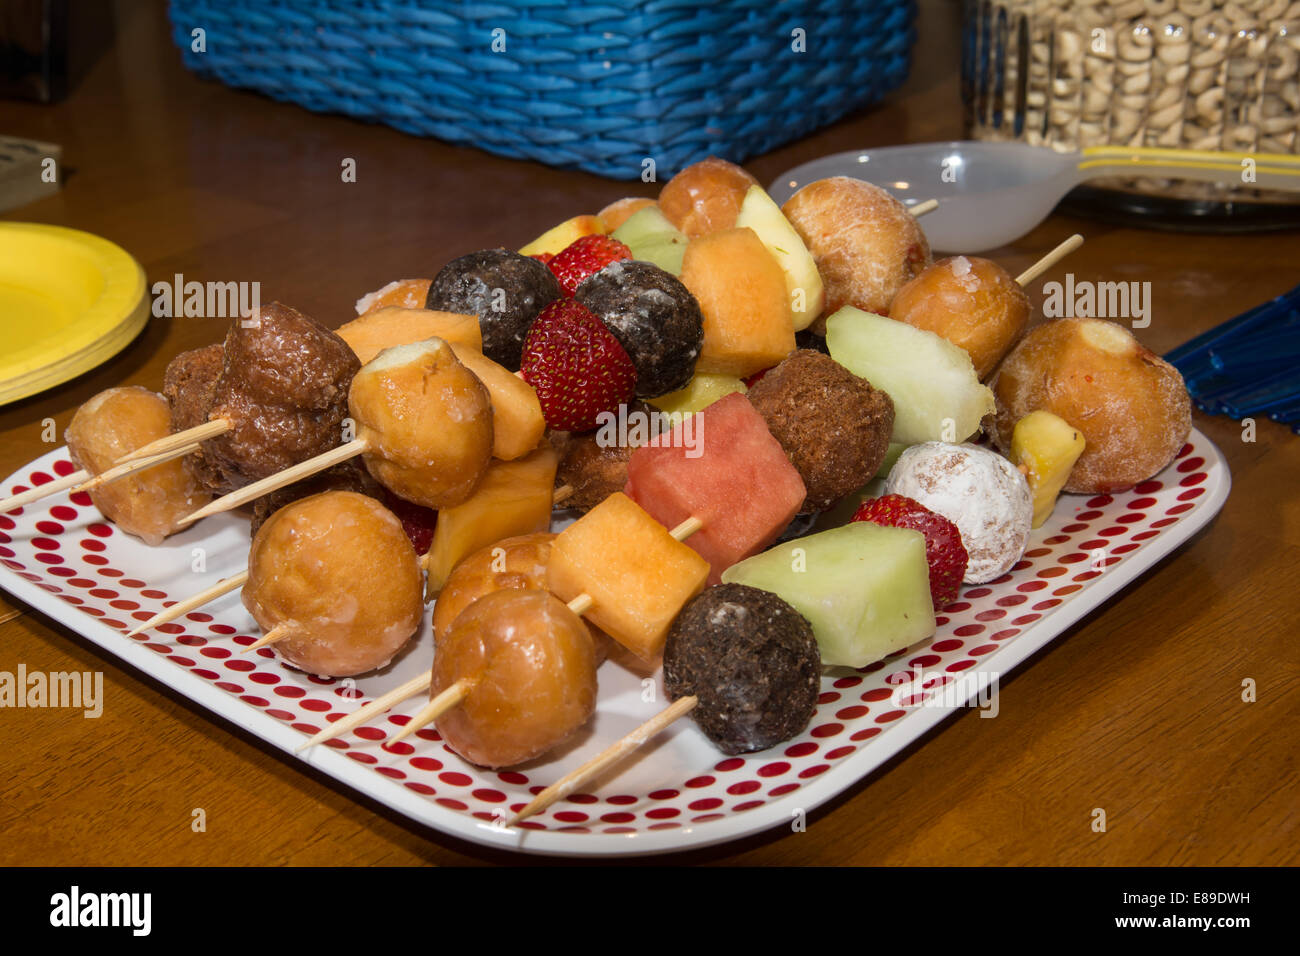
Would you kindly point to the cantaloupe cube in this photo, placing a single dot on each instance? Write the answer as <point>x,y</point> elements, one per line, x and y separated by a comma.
<point>373,332</point>
<point>638,576</point>
<point>723,466</point>
<point>512,498</point>
<point>741,288</point>
<point>517,419</point>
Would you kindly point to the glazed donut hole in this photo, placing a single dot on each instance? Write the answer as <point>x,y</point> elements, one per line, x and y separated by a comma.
<point>532,669</point>
<point>973,303</point>
<point>151,503</point>
<point>706,196</point>
<point>339,572</point>
<point>865,243</point>
<point>1131,406</point>
<point>426,420</point>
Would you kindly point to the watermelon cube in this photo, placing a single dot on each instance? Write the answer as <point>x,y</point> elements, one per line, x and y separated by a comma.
<point>723,466</point>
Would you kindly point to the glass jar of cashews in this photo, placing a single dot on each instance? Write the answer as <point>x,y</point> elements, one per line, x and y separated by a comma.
<point>1191,74</point>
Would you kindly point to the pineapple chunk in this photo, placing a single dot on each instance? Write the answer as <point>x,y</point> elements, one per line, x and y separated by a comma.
<point>1047,446</point>
<point>557,238</point>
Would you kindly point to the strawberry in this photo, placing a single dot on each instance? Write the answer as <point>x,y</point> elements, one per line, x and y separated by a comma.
<point>544,258</point>
<point>585,257</point>
<point>576,366</point>
<point>943,548</point>
<point>417,521</point>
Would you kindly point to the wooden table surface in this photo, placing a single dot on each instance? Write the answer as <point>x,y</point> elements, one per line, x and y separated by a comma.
<point>1137,710</point>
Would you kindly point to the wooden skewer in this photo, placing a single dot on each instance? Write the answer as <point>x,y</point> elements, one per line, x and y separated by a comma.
<point>233,582</point>
<point>687,528</point>
<point>43,491</point>
<point>378,705</point>
<point>122,469</point>
<point>212,429</point>
<point>435,708</point>
<point>287,477</point>
<point>83,480</point>
<point>1049,260</point>
<point>277,633</point>
<point>224,586</point>
<point>580,605</point>
<point>921,208</point>
<point>611,755</point>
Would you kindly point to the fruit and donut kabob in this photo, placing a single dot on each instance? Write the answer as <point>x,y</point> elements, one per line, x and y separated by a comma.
<point>624,571</point>
<point>278,617</point>
<point>265,398</point>
<point>748,280</point>
<point>514,495</point>
<point>945,542</point>
<point>514,669</point>
<point>396,427</point>
<point>412,382</point>
<point>563,346</point>
<point>423,424</point>
<point>426,431</point>
<point>278,377</point>
<point>284,375</point>
<point>350,476</point>
<point>516,563</point>
<point>620,566</point>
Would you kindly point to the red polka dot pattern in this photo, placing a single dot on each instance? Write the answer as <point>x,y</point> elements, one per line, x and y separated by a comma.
<point>64,546</point>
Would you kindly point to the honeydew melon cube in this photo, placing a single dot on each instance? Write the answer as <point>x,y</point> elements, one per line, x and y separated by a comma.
<point>891,455</point>
<point>803,282</point>
<point>652,238</point>
<point>864,588</point>
<point>937,394</point>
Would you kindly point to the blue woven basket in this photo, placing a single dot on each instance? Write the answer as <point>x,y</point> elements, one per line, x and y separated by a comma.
<point>599,86</point>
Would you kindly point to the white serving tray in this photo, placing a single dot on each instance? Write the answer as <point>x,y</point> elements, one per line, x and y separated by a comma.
<point>59,556</point>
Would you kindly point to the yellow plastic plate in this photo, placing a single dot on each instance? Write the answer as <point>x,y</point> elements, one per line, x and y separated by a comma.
<point>69,301</point>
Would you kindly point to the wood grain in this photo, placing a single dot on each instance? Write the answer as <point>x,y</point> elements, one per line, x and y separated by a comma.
<point>1136,710</point>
